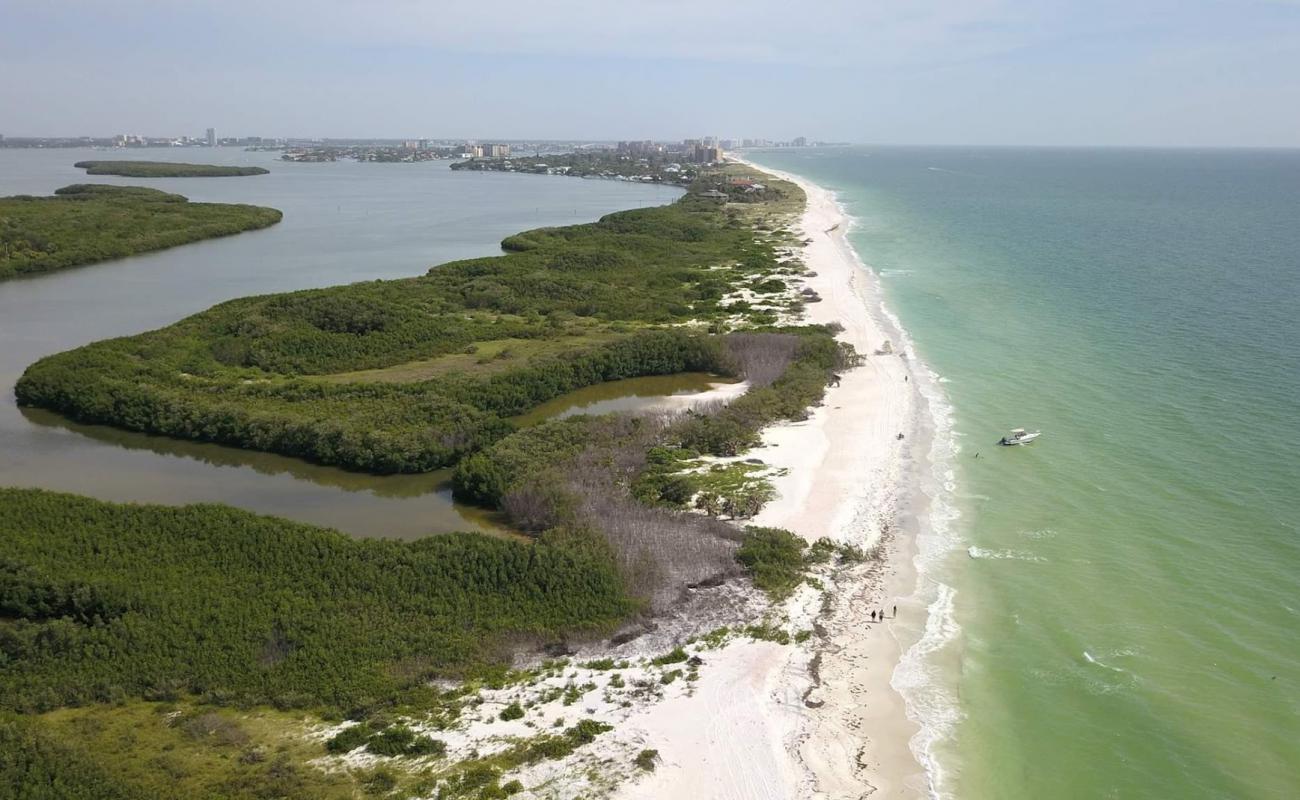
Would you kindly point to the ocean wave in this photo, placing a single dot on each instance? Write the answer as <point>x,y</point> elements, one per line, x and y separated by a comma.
<point>1009,555</point>
<point>1096,674</point>
<point>1099,676</point>
<point>1041,533</point>
<point>930,703</point>
<point>1091,659</point>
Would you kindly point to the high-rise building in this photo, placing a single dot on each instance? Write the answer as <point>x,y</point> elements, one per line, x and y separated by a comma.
<point>212,137</point>
<point>800,141</point>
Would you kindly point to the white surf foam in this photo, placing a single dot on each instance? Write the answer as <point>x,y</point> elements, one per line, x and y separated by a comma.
<point>1007,555</point>
<point>930,701</point>
<point>928,696</point>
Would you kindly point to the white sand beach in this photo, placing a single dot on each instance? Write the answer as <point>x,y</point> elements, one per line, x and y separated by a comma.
<point>818,719</point>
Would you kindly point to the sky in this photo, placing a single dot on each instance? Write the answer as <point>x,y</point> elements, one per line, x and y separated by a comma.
<point>1048,72</point>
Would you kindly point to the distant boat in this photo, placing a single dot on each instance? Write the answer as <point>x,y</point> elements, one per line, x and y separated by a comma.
<point>1019,436</point>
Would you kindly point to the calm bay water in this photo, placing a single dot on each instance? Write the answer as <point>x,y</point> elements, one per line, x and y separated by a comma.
<point>1125,616</point>
<point>343,222</point>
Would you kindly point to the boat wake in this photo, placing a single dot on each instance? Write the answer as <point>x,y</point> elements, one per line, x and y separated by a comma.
<point>1092,660</point>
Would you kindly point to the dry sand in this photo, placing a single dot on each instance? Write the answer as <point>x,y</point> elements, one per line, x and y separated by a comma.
<point>820,719</point>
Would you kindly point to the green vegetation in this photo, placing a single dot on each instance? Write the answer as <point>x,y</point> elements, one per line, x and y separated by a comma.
<point>86,223</point>
<point>100,602</point>
<point>646,760</point>
<point>774,558</point>
<point>164,169</point>
<point>511,712</point>
<point>675,656</point>
<point>33,766</point>
<point>679,477</point>
<point>160,650</point>
<point>402,741</point>
<point>256,372</point>
<point>160,751</point>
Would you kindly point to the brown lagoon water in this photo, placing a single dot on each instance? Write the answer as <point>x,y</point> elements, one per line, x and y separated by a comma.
<point>343,222</point>
<point>627,395</point>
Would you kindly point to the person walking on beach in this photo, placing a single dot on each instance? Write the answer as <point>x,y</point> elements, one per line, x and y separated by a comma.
<point>873,616</point>
<point>895,612</point>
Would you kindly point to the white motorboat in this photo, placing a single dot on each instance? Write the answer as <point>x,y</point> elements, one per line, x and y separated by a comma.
<point>1019,436</point>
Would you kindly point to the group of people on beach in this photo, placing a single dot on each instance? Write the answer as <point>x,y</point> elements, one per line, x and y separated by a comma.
<point>879,616</point>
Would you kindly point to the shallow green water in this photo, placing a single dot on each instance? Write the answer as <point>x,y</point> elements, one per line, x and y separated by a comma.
<point>1118,614</point>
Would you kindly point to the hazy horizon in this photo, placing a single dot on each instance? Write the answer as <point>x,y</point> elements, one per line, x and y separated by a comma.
<point>1207,73</point>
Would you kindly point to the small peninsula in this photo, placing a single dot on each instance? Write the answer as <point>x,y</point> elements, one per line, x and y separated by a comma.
<point>165,169</point>
<point>88,223</point>
<point>257,657</point>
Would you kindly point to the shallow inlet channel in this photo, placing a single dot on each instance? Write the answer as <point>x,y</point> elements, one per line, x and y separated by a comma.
<point>399,506</point>
<point>343,222</point>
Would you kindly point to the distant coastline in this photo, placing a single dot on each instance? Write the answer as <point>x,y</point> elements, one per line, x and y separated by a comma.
<point>166,169</point>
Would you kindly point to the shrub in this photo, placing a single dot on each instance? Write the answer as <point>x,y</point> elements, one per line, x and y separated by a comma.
<point>512,712</point>
<point>256,586</point>
<point>392,741</point>
<point>379,781</point>
<point>774,559</point>
<point>646,760</point>
<point>402,741</point>
<point>349,739</point>
<point>586,731</point>
<point>674,656</point>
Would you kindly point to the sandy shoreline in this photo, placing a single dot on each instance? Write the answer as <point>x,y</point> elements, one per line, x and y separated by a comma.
<point>820,719</point>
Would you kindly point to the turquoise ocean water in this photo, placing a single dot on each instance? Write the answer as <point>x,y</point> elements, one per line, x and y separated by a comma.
<point>1117,614</point>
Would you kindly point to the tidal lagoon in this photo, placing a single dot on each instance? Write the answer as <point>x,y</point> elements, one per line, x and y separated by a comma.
<point>343,222</point>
